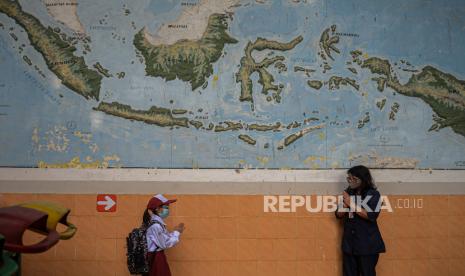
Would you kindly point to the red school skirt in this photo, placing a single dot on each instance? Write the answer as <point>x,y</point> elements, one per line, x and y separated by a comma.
<point>158,264</point>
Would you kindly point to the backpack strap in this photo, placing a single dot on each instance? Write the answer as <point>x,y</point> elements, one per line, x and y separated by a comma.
<point>152,222</point>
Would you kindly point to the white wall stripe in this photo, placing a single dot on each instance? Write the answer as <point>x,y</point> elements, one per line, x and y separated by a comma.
<point>141,181</point>
<point>224,175</point>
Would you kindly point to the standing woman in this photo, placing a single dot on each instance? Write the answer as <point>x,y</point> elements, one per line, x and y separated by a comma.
<point>361,241</point>
<point>158,237</point>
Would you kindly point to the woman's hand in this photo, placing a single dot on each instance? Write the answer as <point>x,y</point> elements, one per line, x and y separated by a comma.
<point>346,199</point>
<point>180,227</point>
<point>358,210</point>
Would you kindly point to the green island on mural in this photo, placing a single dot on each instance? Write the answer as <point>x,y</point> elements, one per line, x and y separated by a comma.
<point>163,117</point>
<point>249,66</point>
<point>155,115</point>
<point>226,84</point>
<point>186,60</point>
<point>442,91</point>
<point>58,54</point>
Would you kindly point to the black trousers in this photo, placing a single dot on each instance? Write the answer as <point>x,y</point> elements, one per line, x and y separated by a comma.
<point>353,265</point>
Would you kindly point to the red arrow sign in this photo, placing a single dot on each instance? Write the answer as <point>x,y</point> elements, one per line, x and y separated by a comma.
<point>106,203</point>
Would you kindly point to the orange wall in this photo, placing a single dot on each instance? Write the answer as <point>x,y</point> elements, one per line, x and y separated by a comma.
<point>230,235</point>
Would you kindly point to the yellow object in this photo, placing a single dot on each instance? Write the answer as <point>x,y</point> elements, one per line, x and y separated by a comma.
<point>56,214</point>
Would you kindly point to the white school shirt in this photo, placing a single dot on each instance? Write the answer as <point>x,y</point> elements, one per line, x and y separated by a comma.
<point>158,238</point>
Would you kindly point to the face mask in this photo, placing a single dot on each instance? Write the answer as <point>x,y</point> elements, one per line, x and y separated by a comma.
<point>164,213</point>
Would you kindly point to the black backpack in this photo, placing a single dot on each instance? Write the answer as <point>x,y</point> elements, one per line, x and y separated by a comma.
<point>137,250</point>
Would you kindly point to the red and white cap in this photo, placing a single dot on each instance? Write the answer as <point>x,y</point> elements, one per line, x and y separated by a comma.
<point>159,200</point>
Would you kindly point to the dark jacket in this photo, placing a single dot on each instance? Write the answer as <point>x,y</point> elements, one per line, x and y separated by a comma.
<point>362,236</point>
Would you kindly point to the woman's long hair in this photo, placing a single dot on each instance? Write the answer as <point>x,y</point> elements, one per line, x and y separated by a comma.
<point>146,219</point>
<point>363,173</point>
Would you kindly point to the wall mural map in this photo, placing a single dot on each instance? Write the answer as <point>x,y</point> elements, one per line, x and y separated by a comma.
<point>232,84</point>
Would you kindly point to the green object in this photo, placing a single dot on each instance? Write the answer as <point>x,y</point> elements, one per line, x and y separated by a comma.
<point>7,265</point>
